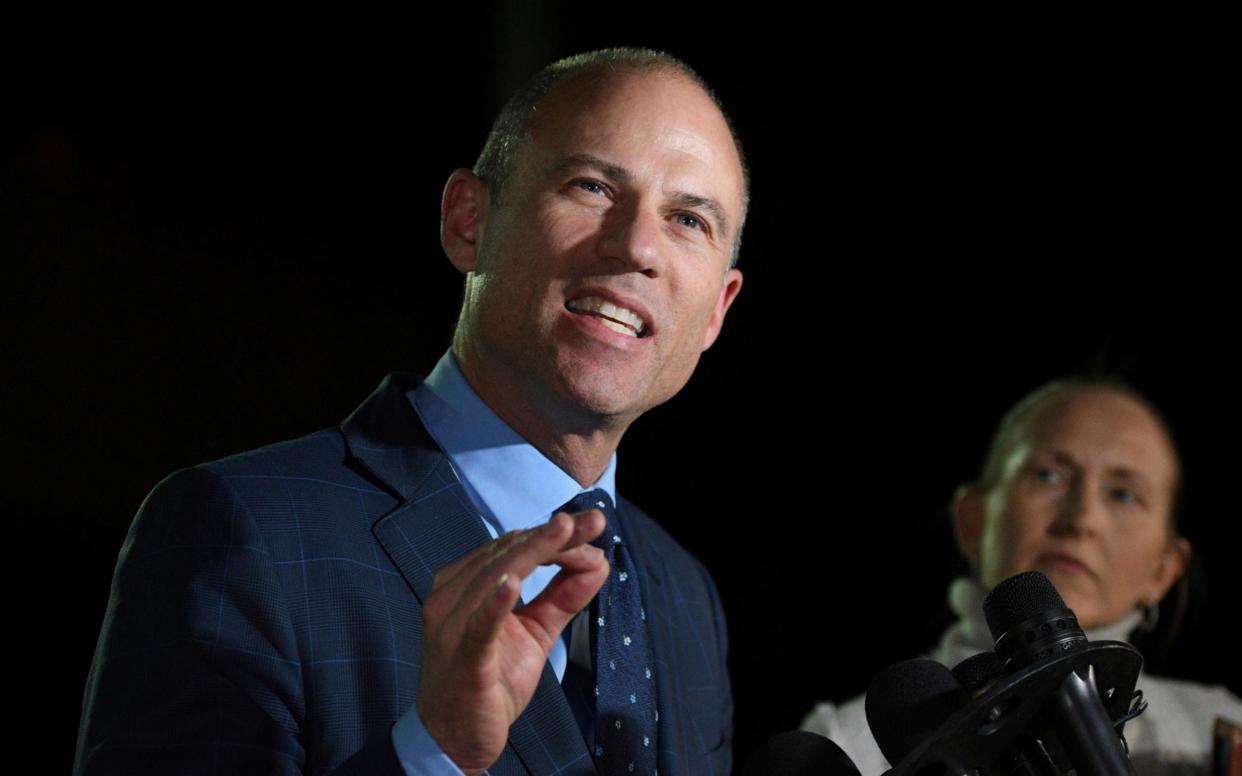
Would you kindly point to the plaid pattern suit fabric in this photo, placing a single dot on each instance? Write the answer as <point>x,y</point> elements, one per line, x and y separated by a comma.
<point>266,616</point>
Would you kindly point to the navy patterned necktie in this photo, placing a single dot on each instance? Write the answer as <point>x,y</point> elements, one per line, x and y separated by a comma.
<point>621,704</point>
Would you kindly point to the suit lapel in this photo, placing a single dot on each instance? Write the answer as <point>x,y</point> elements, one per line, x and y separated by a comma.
<point>433,524</point>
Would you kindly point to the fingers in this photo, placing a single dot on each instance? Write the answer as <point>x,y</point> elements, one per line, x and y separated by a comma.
<point>567,594</point>
<point>458,574</point>
<point>586,528</point>
<point>518,559</point>
<point>472,583</point>
<point>481,662</point>
<point>562,540</point>
<point>581,558</point>
<point>484,623</point>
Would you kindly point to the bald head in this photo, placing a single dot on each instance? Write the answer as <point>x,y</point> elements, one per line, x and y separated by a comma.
<point>512,128</point>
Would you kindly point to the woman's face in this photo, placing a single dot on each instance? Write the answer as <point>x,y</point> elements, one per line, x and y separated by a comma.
<point>1084,496</point>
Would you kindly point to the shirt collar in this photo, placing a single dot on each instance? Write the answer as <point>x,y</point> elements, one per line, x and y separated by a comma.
<point>515,485</point>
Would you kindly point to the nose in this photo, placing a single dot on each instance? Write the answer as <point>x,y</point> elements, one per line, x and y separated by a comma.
<point>1079,511</point>
<point>632,236</point>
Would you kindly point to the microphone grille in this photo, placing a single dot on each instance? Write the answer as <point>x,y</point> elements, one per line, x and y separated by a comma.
<point>798,752</point>
<point>977,670</point>
<point>907,701</point>
<point>1017,599</point>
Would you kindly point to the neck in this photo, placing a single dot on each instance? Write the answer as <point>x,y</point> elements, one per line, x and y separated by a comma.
<point>579,442</point>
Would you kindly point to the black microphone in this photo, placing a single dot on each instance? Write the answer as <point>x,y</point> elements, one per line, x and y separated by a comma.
<point>1036,710</point>
<point>799,753</point>
<point>909,701</point>
<point>977,672</point>
<point>1034,629</point>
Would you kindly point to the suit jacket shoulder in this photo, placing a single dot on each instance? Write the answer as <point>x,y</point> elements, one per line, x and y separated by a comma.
<point>228,642</point>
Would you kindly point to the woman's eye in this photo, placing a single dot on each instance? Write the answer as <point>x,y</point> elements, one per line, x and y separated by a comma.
<point>1047,474</point>
<point>1123,495</point>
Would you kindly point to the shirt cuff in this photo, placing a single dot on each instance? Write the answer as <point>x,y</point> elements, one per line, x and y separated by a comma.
<point>418,752</point>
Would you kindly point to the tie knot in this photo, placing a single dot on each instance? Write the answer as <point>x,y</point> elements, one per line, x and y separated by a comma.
<point>597,499</point>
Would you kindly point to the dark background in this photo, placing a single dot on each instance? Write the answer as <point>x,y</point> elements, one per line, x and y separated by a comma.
<point>223,233</point>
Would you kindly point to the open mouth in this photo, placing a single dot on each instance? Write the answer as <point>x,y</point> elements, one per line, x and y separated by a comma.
<point>620,319</point>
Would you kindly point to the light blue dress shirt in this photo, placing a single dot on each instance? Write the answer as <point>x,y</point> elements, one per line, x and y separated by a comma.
<point>513,485</point>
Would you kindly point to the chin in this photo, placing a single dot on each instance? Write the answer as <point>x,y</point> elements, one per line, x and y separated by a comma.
<point>1093,619</point>
<point>602,394</point>
<point>590,401</point>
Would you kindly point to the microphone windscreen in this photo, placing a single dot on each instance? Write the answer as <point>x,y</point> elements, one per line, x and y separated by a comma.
<point>907,701</point>
<point>799,752</point>
<point>977,671</point>
<point>1019,598</point>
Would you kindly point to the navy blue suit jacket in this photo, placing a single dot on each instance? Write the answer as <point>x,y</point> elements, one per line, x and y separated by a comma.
<point>266,616</point>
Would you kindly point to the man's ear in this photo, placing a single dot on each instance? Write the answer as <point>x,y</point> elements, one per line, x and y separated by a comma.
<point>462,211</point>
<point>968,521</point>
<point>728,292</point>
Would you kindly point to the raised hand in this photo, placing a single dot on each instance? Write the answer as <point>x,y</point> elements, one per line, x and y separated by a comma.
<point>481,659</point>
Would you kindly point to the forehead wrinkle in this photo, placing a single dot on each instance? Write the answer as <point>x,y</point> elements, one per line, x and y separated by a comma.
<point>610,169</point>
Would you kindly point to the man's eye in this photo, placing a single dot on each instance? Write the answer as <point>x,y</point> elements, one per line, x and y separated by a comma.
<point>689,221</point>
<point>595,187</point>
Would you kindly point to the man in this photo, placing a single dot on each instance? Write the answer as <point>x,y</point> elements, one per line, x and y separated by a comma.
<point>334,602</point>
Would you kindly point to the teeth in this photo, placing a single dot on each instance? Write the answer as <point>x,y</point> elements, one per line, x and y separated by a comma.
<point>616,318</point>
<point>618,327</point>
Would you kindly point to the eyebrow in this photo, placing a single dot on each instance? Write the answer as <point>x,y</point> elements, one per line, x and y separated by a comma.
<point>618,173</point>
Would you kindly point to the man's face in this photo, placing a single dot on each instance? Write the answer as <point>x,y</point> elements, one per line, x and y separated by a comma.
<point>1084,498</point>
<point>603,275</point>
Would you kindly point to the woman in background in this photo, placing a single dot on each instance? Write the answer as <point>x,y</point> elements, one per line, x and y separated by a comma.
<point>1081,483</point>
